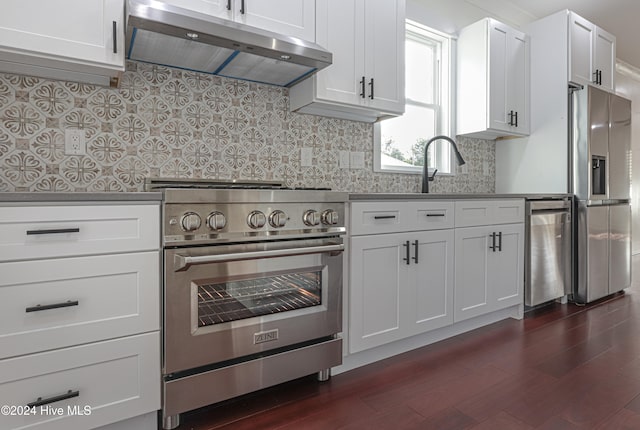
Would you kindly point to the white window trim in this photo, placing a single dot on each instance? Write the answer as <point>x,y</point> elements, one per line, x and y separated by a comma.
<point>377,145</point>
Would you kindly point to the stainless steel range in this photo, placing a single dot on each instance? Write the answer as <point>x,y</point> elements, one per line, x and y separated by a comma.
<point>252,288</point>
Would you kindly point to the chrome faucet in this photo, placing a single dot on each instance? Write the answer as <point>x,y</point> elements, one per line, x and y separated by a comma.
<point>425,172</point>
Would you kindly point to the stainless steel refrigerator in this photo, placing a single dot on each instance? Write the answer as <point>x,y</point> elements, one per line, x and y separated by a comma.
<point>600,135</point>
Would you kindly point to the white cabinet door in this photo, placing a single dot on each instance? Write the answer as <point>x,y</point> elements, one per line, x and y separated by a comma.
<point>493,80</point>
<point>471,291</point>
<point>580,49</point>
<point>605,58</point>
<point>400,285</point>
<point>592,54</point>
<point>366,79</point>
<point>428,303</point>
<point>518,82</point>
<point>498,76</point>
<point>384,54</point>
<point>295,18</point>
<point>341,30</point>
<point>377,278</point>
<point>58,33</point>
<point>506,267</point>
<point>489,269</point>
<point>219,8</point>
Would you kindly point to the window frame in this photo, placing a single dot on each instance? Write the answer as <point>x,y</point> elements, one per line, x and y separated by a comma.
<point>444,107</point>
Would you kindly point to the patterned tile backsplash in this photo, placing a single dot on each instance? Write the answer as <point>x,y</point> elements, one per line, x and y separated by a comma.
<point>164,122</point>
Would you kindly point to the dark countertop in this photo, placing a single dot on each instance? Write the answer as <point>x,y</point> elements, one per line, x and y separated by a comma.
<point>451,196</point>
<point>33,197</point>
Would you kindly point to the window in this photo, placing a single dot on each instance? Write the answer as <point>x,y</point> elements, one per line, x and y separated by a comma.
<point>399,142</point>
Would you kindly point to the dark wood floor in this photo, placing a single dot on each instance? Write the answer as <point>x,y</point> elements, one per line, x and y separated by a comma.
<point>562,367</point>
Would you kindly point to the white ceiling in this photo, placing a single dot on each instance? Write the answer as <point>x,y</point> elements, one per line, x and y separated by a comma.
<point>619,17</point>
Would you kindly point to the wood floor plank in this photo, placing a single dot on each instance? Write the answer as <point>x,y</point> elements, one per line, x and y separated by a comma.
<point>622,420</point>
<point>492,401</point>
<point>501,421</point>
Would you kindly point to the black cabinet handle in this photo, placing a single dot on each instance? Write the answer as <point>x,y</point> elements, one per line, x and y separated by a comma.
<point>407,252</point>
<point>493,242</point>
<point>499,241</point>
<point>598,77</point>
<point>228,4</point>
<point>38,308</point>
<point>416,244</point>
<point>516,116</point>
<point>371,85</point>
<point>384,217</point>
<point>511,117</point>
<point>242,9</point>
<point>53,231</point>
<point>430,215</point>
<point>41,402</point>
<point>115,38</point>
<point>362,90</point>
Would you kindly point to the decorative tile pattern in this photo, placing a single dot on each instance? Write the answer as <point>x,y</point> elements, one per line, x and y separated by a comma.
<point>172,123</point>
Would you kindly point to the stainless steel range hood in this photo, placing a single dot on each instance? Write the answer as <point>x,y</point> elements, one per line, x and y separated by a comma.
<point>163,34</point>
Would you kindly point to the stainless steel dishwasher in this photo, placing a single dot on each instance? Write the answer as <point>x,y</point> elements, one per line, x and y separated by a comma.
<point>548,268</point>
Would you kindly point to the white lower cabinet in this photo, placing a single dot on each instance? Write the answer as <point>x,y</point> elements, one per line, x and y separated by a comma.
<point>489,269</point>
<point>400,285</point>
<point>423,265</point>
<point>79,314</point>
<point>82,387</point>
<point>62,302</point>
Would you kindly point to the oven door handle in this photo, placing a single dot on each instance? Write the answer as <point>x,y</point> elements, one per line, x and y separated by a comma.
<point>182,262</point>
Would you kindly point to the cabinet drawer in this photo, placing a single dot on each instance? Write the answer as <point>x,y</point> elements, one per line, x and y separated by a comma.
<point>378,217</point>
<point>47,304</point>
<point>114,380</point>
<point>470,213</point>
<point>431,215</point>
<point>57,231</point>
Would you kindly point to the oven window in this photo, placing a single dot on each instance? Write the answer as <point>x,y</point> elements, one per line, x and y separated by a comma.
<point>246,298</point>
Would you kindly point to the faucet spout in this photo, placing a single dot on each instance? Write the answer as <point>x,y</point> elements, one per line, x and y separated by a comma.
<point>425,170</point>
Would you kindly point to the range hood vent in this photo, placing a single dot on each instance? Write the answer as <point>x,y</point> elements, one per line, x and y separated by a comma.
<point>163,34</point>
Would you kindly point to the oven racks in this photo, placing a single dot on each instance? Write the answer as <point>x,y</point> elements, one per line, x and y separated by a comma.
<point>236,300</point>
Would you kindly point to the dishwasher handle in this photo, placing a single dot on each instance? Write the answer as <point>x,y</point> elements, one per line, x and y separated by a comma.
<point>549,205</point>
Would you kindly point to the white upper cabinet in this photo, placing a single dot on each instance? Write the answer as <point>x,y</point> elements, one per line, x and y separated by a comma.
<point>592,54</point>
<point>79,40</point>
<point>294,18</point>
<point>493,81</point>
<point>366,79</point>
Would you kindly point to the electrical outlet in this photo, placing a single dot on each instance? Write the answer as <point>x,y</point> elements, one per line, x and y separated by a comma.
<point>74,142</point>
<point>306,155</point>
<point>356,160</point>
<point>344,159</point>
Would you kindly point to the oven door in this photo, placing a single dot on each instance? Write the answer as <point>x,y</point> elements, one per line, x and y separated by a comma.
<point>228,302</point>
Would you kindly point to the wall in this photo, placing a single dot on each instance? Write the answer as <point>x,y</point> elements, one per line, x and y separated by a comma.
<point>166,122</point>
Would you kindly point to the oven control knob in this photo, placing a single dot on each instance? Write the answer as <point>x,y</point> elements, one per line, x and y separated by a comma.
<point>330,217</point>
<point>277,219</point>
<point>216,221</point>
<point>311,218</point>
<point>256,219</point>
<point>190,221</point>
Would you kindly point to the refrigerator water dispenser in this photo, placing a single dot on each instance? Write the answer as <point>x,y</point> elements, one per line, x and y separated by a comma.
<point>598,175</point>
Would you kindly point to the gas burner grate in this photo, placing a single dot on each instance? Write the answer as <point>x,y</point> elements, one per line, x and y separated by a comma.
<point>236,300</point>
